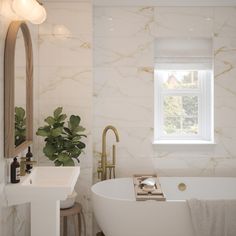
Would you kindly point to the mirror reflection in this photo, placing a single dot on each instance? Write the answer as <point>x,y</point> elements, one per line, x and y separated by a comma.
<point>20,90</point>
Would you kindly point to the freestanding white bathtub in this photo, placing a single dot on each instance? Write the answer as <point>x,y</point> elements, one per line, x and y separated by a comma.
<point>119,214</point>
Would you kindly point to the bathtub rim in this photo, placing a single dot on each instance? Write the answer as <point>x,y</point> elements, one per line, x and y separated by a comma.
<point>93,187</point>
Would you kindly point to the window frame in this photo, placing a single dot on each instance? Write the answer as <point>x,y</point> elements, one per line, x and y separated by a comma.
<point>205,109</point>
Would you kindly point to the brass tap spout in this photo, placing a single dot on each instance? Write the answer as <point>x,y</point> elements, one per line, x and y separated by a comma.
<point>104,163</point>
<point>23,164</point>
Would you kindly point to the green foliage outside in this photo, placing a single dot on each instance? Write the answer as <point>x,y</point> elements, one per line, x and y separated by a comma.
<point>180,111</point>
<point>181,114</point>
<point>62,143</point>
<point>20,126</point>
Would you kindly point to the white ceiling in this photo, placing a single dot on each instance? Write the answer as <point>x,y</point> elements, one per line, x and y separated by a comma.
<point>164,2</point>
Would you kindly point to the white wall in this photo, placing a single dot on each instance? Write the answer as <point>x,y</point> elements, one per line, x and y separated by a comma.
<point>123,87</point>
<point>65,79</point>
<point>13,220</point>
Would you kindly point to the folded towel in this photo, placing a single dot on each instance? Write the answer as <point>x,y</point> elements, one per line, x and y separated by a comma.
<point>213,217</point>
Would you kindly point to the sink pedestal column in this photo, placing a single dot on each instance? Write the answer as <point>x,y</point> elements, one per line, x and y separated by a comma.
<point>45,218</point>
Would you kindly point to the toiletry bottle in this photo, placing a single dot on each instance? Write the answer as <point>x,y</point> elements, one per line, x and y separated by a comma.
<point>29,155</point>
<point>15,171</point>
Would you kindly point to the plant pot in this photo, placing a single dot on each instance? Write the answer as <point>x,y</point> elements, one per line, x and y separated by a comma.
<point>69,201</point>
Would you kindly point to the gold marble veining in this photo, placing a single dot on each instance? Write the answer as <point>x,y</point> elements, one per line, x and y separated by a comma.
<point>86,45</point>
<point>146,69</point>
<point>229,68</point>
<point>149,8</point>
<point>219,50</point>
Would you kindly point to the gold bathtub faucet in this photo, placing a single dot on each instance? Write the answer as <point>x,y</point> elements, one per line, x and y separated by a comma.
<point>104,165</point>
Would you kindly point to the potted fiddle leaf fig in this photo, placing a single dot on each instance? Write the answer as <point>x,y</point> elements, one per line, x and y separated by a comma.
<point>63,142</point>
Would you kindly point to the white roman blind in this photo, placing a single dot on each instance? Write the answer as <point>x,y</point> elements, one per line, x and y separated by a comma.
<point>183,53</point>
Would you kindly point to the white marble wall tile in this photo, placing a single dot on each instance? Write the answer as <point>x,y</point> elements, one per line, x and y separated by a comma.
<point>123,21</point>
<point>226,141</point>
<point>65,37</point>
<point>184,21</point>
<point>76,17</point>
<point>124,112</point>
<point>225,114</point>
<point>72,83</point>
<point>194,167</point>
<point>225,62</point>
<point>120,81</point>
<point>65,51</point>
<point>127,167</point>
<point>65,79</point>
<point>122,51</point>
<point>224,25</point>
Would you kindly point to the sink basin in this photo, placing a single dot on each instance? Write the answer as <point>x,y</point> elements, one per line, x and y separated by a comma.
<point>43,188</point>
<point>46,182</point>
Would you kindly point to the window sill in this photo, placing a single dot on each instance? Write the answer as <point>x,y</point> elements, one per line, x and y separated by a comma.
<point>183,142</point>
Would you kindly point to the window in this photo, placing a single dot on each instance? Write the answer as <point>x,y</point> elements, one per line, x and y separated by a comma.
<point>183,96</point>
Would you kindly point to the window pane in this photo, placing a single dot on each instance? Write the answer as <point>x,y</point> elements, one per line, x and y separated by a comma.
<point>172,125</point>
<point>180,79</point>
<point>190,126</point>
<point>173,105</point>
<point>190,105</point>
<point>181,115</point>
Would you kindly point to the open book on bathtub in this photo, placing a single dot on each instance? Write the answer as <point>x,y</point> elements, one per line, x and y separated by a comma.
<point>145,191</point>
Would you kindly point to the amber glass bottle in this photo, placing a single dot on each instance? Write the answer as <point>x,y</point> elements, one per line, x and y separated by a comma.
<point>15,171</point>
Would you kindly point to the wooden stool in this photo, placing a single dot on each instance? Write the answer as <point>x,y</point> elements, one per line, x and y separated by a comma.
<point>74,211</point>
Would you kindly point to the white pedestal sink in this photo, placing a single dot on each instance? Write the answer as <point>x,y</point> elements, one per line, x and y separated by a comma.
<point>44,188</point>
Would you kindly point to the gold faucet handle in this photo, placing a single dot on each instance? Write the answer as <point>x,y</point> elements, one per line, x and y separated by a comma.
<point>22,159</point>
<point>23,164</point>
<point>30,162</point>
<point>99,171</point>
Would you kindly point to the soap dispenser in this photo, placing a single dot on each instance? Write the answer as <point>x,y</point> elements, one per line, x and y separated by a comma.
<point>15,171</point>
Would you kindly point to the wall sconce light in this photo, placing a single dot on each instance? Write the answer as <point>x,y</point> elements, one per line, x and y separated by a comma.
<point>31,10</point>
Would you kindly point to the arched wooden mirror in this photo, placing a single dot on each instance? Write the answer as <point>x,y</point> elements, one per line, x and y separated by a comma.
<point>18,89</point>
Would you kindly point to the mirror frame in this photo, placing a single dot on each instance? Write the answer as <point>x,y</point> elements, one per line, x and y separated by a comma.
<point>10,150</point>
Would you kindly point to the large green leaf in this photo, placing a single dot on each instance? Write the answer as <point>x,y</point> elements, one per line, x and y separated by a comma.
<point>69,162</point>
<point>49,149</point>
<point>57,163</point>
<point>81,145</point>
<point>57,112</point>
<point>75,152</point>
<point>61,118</point>
<point>44,131</point>
<point>76,139</point>
<point>68,144</point>
<point>50,120</point>
<point>65,159</point>
<point>56,132</point>
<point>53,157</point>
<point>74,122</point>
<point>68,131</point>
<point>80,129</point>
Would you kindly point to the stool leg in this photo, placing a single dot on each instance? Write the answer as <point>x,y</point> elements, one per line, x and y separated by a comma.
<point>84,223</point>
<point>79,224</point>
<point>64,226</point>
<point>75,224</point>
